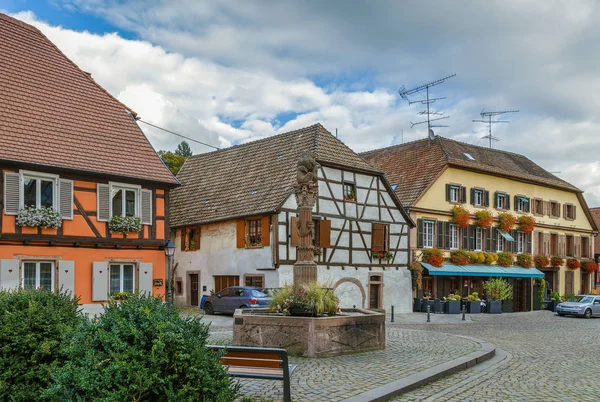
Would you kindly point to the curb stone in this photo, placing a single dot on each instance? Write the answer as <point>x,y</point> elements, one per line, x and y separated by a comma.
<point>413,381</point>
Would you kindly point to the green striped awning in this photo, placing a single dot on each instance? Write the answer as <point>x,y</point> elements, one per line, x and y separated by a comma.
<point>483,270</point>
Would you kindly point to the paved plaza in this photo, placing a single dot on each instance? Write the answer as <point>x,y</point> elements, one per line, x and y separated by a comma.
<point>540,356</point>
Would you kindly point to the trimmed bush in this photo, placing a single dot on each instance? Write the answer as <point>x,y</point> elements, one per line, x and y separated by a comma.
<point>141,350</point>
<point>33,324</point>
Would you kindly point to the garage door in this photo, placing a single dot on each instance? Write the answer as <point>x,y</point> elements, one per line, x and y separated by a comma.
<point>225,281</point>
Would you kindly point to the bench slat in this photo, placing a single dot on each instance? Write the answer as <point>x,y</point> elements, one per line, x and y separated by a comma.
<point>253,355</point>
<point>241,361</point>
<point>238,370</point>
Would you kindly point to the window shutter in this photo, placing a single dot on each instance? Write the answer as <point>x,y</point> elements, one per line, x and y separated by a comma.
<point>103,203</point>
<point>495,200</point>
<point>99,281</point>
<point>146,203</point>
<point>529,247</point>
<point>564,212</point>
<point>266,231</point>
<point>577,244</point>
<point>472,229</point>
<point>546,244</point>
<point>145,278</point>
<point>574,212</point>
<point>463,194</point>
<point>486,198</point>
<point>240,233</point>
<point>440,237</point>
<point>197,237</point>
<point>562,243</point>
<point>295,236</point>
<point>66,276</point>
<point>516,203</point>
<point>184,234</point>
<point>472,196</point>
<point>494,239</point>
<point>507,202</point>
<point>465,237</point>
<point>528,205</point>
<point>65,198</point>
<point>9,274</point>
<point>420,234</point>
<point>446,235</point>
<point>377,236</point>
<point>325,233</point>
<point>12,184</point>
<point>487,233</point>
<point>447,192</point>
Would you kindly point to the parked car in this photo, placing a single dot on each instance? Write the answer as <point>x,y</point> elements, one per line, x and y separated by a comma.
<point>232,298</point>
<point>580,305</point>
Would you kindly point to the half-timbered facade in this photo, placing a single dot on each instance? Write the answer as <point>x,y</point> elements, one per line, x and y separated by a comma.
<point>235,212</point>
<point>73,163</point>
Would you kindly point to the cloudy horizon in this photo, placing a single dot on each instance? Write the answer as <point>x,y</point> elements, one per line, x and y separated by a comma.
<point>228,72</point>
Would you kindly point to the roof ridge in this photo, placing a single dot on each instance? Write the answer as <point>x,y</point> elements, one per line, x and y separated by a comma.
<point>393,146</point>
<point>316,142</point>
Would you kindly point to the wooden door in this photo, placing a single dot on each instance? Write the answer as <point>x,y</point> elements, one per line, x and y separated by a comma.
<point>374,295</point>
<point>569,288</point>
<point>225,281</point>
<point>585,283</point>
<point>519,295</point>
<point>194,287</point>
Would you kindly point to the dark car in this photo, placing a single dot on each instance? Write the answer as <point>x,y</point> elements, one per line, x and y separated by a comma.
<point>230,299</point>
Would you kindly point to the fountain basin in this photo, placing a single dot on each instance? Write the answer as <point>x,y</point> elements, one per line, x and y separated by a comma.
<point>352,331</point>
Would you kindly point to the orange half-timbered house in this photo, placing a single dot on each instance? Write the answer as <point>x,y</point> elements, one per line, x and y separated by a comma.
<point>73,153</point>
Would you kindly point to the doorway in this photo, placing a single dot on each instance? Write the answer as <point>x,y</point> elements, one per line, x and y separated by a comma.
<point>375,287</point>
<point>585,283</point>
<point>194,289</point>
<point>520,294</point>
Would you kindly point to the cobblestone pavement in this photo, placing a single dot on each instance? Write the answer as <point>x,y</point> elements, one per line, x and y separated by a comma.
<point>335,378</point>
<point>548,358</point>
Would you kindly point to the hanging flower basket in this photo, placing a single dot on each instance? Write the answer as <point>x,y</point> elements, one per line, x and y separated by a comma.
<point>526,223</point>
<point>525,260</point>
<point>556,262</point>
<point>484,219</point>
<point>589,267</point>
<point>505,259</point>
<point>541,261</point>
<point>460,216</point>
<point>39,217</point>
<point>460,257</point>
<point>573,263</point>
<point>127,224</point>
<point>507,222</point>
<point>433,256</point>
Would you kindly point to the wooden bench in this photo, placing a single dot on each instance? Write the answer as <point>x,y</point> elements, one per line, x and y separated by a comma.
<point>263,363</point>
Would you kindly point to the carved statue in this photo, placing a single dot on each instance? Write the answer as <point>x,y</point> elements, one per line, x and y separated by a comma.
<point>307,170</point>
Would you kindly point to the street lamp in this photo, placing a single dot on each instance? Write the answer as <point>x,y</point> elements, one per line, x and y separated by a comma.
<point>169,252</point>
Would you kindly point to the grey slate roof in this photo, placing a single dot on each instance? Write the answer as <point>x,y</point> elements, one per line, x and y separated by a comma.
<point>252,178</point>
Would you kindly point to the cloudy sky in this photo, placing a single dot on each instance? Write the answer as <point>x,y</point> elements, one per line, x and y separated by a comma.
<point>226,72</point>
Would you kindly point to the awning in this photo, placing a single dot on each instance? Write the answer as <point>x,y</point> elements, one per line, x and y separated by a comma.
<point>506,235</point>
<point>483,270</point>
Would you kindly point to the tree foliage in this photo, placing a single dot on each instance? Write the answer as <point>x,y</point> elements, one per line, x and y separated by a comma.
<point>183,149</point>
<point>175,160</point>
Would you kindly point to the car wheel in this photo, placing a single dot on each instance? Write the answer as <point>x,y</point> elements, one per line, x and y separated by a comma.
<point>243,306</point>
<point>561,314</point>
<point>588,313</point>
<point>208,309</point>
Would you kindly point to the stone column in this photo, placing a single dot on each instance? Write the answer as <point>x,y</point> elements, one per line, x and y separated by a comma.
<point>306,191</point>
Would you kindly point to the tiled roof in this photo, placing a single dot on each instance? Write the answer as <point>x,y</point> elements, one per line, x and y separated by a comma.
<point>252,178</point>
<point>595,212</point>
<point>54,114</point>
<point>414,166</point>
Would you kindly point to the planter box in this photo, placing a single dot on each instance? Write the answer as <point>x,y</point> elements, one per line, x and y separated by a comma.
<point>494,307</point>
<point>424,304</point>
<point>452,307</point>
<point>473,307</point>
<point>417,305</point>
<point>552,305</point>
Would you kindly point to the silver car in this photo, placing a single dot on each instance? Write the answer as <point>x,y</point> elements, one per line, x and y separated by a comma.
<point>581,305</point>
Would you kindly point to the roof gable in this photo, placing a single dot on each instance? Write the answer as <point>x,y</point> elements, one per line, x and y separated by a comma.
<point>55,115</point>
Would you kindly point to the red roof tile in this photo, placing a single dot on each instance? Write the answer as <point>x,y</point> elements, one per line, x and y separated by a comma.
<point>55,114</point>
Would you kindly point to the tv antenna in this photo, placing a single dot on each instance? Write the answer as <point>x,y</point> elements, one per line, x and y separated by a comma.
<point>405,94</point>
<point>489,121</point>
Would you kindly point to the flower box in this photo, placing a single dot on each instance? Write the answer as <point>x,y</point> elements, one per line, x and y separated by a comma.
<point>126,224</point>
<point>39,217</point>
<point>474,307</point>
<point>494,307</point>
<point>452,307</point>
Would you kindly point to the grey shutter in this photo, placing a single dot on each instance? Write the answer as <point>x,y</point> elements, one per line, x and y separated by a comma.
<point>465,238</point>
<point>420,234</point>
<point>528,205</point>
<point>507,202</point>
<point>103,203</point>
<point>486,198</point>
<point>472,231</point>
<point>12,184</point>
<point>473,196</point>
<point>495,200</point>
<point>447,192</point>
<point>66,276</point>
<point>65,198</point>
<point>440,236</point>
<point>463,194</point>
<point>99,281</point>
<point>145,278</point>
<point>446,235</point>
<point>516,203</point>
<point>146,207</point>
<point>574,212</point>
<point>9,274</point>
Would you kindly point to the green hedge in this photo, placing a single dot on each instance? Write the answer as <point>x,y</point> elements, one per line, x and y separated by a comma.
<point>33,324</point>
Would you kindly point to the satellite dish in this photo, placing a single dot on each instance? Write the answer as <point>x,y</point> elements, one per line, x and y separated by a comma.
<point>431,134</point>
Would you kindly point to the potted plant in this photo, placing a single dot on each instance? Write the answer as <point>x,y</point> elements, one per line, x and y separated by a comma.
<point>573,263</point>
<point>525,260</point>
<point>460,216</point>
<point>473,303</point>
<point>484,219</point>
<point>505,259</point>
<point>497,290</point>
<point>541,261</point>
<point>556,262</point>
<point>506,222</point>
<point>307,301</point>
<point>433,256</point>
<point>453,304</point>
<point>555,300</point>
<point>460,257</point>
<point>526,223</point>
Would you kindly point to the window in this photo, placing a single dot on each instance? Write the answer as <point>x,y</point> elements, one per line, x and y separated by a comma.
<point>570,246</point>
<point>257,281</point>
<point>520,242</point>
<point>124,201</point>
<point>538,206</point>
<point>554,244</point>
<point>39,192</point>
<point>499,242</point>
<point>178,287</point>
<point>585,247</point>
<point>428,227</point>
<point>190,240</point>
<point>569,212</point>
<point>501,201</point>
<point>478,239</point>
<point>254,232</point>
<point>477,197</point>
<point>454,194</point>
<point>469,157</point>
<point>349,191</point>
<point>454,237</point>
<point>121,278</point>
<point>38,275</point>
<point>522,204</point>
<point>554,209</point>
